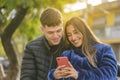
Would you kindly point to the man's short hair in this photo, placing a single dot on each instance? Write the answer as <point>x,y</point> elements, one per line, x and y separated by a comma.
<point>51,17</point>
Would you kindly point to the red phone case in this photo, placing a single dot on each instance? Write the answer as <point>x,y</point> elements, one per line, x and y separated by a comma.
<point>62,61</point>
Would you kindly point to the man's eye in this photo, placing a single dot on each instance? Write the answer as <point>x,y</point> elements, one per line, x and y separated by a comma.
<point>59,30</point>
<point>50,32</point>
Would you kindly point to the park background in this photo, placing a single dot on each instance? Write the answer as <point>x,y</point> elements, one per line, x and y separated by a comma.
<point>19,24</point>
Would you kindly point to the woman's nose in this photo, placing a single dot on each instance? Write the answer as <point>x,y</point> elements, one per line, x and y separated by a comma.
<point>73,37</point>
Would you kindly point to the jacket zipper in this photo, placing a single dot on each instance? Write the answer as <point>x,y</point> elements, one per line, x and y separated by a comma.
<point>49,66</point>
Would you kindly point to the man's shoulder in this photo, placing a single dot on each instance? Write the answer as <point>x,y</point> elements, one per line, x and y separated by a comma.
<point>37,42</point>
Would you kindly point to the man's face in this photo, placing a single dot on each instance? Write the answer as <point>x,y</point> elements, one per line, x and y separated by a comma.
<point>53,34</point>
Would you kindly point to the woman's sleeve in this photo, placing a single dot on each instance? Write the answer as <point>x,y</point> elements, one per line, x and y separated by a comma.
<point>50,74</point>
<point>107,69</point>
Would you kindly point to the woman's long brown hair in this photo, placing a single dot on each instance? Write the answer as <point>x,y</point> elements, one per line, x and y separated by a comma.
<point>89,38</point>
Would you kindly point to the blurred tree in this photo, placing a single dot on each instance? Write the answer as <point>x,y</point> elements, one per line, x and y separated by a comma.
<point>23,13</point>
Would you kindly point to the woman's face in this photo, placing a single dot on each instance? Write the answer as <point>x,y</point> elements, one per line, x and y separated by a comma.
<point>75,37</point>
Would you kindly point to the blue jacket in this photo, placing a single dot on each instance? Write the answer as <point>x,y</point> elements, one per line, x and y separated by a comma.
<point>105,61</point>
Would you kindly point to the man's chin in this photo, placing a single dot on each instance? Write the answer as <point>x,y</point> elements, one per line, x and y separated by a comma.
<point>56,43</point>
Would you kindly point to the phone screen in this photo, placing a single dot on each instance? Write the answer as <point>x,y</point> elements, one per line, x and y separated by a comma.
<point>62,61</point>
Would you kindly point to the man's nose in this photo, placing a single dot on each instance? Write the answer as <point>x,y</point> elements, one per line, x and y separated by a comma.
<point>55,34</point>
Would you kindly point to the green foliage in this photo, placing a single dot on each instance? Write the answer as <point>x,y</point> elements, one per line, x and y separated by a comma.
<point>30,29</point>
<point>2,3</point>
<point>27,3</point>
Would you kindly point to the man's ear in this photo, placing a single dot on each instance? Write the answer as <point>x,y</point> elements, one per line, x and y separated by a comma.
<point>41,29</point>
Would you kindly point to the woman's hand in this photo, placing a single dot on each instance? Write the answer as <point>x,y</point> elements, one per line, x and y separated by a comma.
<point>65,72</point>
<point>70,72</point>
<point>59,72</point>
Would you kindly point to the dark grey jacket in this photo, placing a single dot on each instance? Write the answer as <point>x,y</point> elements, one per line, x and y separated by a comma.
<point>38,59</point>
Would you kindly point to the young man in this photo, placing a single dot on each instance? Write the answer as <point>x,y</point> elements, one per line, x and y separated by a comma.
<point>40,54</point>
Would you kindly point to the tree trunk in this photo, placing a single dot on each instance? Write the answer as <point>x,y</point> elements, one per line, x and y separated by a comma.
<point>2,74</point>
<point>13,68</point>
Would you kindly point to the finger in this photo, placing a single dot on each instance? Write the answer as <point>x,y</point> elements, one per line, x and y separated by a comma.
<point>67,76</point>
<point>58,74</point>
<point>70,64</point>
<point>61,75</point>
<point>61,67</point>
<point>68,68</point>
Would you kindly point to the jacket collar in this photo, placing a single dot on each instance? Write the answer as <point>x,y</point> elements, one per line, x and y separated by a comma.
<point>46,43</point>
<point>78,51</point>
<point>61,45</point>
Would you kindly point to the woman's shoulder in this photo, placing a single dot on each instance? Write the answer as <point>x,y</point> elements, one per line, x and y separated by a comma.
<point>68,53</point>
<point>102,45</point>
<point>104,48</point>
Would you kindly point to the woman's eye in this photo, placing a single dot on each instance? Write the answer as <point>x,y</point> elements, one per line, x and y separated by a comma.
<point>68,35</point>
<point>75,32</point>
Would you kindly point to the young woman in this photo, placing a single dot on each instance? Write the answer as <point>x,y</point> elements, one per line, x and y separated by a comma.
<point>89,59</point>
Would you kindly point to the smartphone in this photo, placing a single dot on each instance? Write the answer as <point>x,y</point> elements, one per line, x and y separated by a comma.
<point>62,61</point>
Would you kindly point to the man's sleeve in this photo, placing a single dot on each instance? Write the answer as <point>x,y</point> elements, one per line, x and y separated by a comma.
<point>28,69</point>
